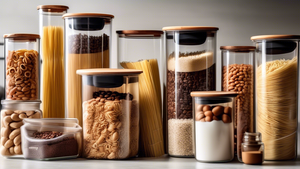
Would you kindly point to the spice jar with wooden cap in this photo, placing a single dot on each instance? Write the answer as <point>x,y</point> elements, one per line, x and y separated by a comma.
<point>252,148</point>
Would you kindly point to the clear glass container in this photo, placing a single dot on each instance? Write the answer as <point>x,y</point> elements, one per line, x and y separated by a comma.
<point>12,115</point>
<point>22,66</point>
<point>237,76</point>
<point>142,50</point>
<point>2,81</point>
<point>110,113</point>
<point>276,94</point>
<point>191,66</point>
<point>52,54</point>
<point>51,138</point>
<point>252,149</point>
<point>213,125</point>
<point>88,41</point>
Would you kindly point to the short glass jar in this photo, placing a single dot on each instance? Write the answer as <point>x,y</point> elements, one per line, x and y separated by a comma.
<point>252,149</point>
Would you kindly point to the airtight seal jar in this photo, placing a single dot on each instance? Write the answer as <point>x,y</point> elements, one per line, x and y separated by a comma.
<point>238,76</point>
<point>87,45</point>
<point>190,63</point>
<point>51,27</point>
<point>22,66</point>
<point>276,94</point>
<point>110,113</point>
<point>213,125</point>
<point>13,114</point>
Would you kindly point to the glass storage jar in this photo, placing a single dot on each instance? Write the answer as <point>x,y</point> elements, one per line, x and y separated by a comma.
<point>52,55</point>
<point>190,63</point>
<point>13,114</point>
<point>213,125</point>
<point>252,149</point>
<point>88,40</point>
<point>237,76</point>
<point>51,138</point>
<point>110,113</point>
<point>22,66</point>
<point>276,94</point>
<point>142,49</point>
<point>2,82</point>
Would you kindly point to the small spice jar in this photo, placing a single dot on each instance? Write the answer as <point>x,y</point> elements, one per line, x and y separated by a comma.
<point>190,63</point>
<point>12,116</point>
<point>252,148</point>
<point>238,76</point>
<point>213,125</point>
<point>51,138</point>
<point>110,113</point>
<point>22,66</point>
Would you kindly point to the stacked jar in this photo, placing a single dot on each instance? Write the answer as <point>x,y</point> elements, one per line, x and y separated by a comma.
<point>142,50</point>
<point>110,113</point>
<point>237,76</point>
<point>88,40</point>
<point>52,55</point>
<point>21,89</point>
<point>276,94</point>
<point>190,63</point>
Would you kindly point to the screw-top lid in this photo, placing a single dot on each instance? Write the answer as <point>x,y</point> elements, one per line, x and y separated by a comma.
<point>53,8</point>
<point>22,36</point>
<point>184,28</point>
<point>238,48</point>
<point>213,94</point>
<point>106,71</point>
<point>139,33</point>
<point>273,37</point>
<point>89,15</point>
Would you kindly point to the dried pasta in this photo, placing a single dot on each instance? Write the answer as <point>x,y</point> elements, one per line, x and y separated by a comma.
<point>277,108</point>
<point>151,135</point>
<point>53,73</point>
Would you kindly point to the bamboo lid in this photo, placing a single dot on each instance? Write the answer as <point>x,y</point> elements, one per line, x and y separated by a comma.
<point>96,15</point>
<point>263,37</point>
<point>53,8</point>
<point>213,94</point>
<point>184,28</point>
<point>22,36</point>
<point>138,33</point>
<point>238,48</point>
<point>107,71</point>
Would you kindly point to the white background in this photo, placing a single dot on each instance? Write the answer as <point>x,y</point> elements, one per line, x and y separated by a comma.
<point>238,20</point>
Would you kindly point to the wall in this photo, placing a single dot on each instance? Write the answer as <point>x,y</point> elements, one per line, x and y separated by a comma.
<point>238,20</point>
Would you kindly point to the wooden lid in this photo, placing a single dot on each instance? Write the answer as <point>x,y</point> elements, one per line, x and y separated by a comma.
<point>22,36</point>
<point>238,48</point>
<point>83,15</point>
<point>106,71</point>
<point>137,33</point>
<point>53,8</point>
<point>213,94</point>
<point>263,37</point>
<point>183,28</point>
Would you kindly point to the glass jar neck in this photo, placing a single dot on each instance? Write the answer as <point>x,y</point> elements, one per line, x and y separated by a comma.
<point>252,138</point>
<point>18,105</point>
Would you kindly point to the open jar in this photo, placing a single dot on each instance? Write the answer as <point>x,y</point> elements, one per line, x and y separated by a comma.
<point>87,45</point>
<point>190,63</point>
<point>110,113</point>
<point>22,66</point>
<point>213,125</point>
<point>13,114</point>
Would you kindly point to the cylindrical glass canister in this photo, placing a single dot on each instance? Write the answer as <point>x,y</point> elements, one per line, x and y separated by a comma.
<point>12,115</point>
<point>213,125</point>
<point>191,66</point>
<point>110,113</point>
<point>52,55</point>
<point>237,76</point>
<point>2,82</point>
<point>142,50</point>
<point>276,94</point>
<point>22,66</point>
<point>88,41</point>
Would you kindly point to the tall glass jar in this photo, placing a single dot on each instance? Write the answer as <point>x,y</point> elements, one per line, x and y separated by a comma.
<point>52,52</point>
<point>12,115</point>
<point>190,57</point>
<point>88,40</point>
<point>22,66</point>
<point>237,76</point>
<point>213,117</point>
<point>110,113</point>
<point>142,50</point>
<point>276,93</point>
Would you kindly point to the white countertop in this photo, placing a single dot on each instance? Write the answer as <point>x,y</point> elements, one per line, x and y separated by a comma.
<point>136,163</point>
